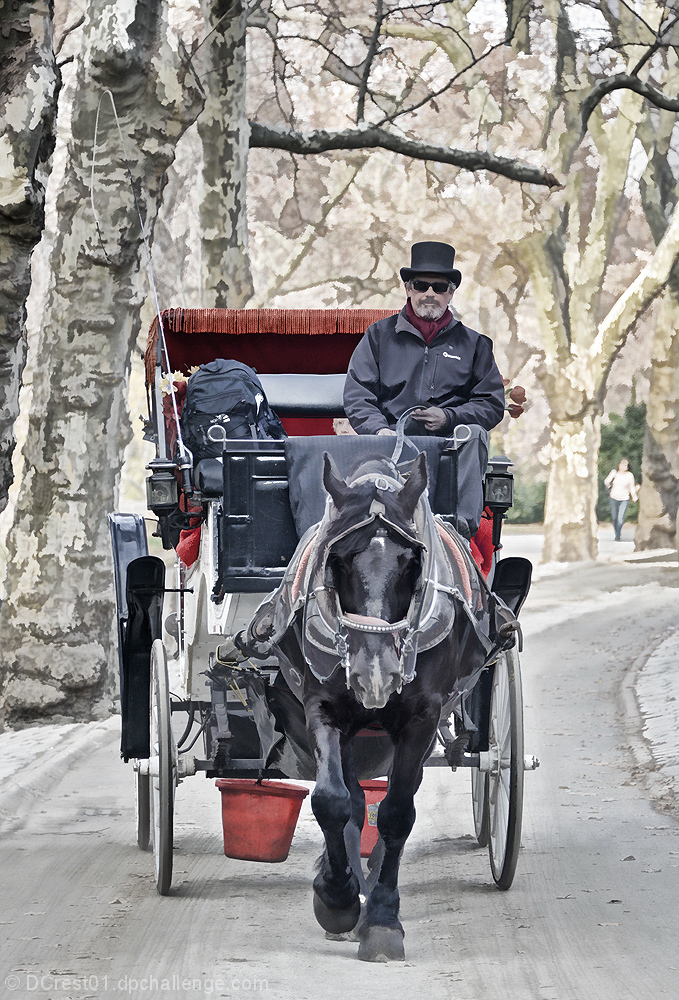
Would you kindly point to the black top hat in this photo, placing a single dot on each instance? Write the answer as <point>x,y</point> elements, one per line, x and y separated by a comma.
<point>432,258</point>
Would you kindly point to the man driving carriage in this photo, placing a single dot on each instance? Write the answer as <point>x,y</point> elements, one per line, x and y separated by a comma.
<point>425,358</point>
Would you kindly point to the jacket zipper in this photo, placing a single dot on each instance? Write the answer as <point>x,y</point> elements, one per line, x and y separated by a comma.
<point>424,373</point>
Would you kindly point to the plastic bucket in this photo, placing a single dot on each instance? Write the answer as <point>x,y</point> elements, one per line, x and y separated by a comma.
<point>375,791</point>
<point>259,819</point>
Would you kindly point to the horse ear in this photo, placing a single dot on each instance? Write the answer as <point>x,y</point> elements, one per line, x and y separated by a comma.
<point>414,486</point>
<point>333,481</point>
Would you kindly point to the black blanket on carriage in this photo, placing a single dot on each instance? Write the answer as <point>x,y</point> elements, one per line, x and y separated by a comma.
<point>308,497</point>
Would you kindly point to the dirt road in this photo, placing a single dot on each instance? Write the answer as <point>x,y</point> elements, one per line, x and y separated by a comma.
<point>593,911</point>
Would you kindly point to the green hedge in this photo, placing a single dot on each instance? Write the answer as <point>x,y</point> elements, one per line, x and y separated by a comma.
<point>529,500</point>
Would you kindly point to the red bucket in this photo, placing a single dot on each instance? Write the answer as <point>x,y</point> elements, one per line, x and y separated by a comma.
<point>374,793</point>
<point>259,818</point>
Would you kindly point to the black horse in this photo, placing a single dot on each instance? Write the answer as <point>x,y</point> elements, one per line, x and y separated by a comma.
<point>374,634</point>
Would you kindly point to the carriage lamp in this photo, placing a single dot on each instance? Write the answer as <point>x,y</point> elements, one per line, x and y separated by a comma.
<point>498,491</point>
<point>162,496</point>
<point>499,483</point>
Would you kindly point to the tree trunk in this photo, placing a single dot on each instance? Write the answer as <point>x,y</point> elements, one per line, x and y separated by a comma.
<point>572,490</point>
<point>224,134</point>
<point>659,494</point>
<point>29,84</point>
<point>57,623</point>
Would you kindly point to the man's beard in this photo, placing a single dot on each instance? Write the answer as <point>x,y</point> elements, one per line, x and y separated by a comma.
<point>429,310</point>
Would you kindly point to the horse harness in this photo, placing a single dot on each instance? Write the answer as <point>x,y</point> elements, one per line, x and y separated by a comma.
<point>448,580</point>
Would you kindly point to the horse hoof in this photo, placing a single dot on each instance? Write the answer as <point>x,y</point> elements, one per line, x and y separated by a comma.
<point>355,933</point>
<point>381,944</point>
<point>336,921</point>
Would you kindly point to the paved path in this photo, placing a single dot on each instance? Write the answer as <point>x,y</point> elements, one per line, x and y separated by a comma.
<point>593,911</point>
<point>651,691</point>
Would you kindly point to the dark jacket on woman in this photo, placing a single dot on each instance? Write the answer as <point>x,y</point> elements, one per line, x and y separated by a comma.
<point>393,369</point>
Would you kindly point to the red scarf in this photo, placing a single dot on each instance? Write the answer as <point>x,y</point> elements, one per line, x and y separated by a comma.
<point>427,327</point>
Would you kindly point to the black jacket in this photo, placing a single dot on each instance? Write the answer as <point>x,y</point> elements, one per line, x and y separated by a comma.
<point>393,369</point>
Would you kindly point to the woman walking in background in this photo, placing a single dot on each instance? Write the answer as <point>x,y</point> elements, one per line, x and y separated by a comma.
<point>621,486</point>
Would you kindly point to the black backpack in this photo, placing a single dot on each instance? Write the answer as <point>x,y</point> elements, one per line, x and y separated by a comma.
<point>226,394</point>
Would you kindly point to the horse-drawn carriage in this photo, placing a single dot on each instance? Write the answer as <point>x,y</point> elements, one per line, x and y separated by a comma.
<point>330,623</point>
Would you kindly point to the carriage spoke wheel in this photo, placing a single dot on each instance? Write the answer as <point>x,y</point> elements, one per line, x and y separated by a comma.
<point>480,806</point>
<point>505,778</point>
<point>142,802</point>
<point>163,783</point>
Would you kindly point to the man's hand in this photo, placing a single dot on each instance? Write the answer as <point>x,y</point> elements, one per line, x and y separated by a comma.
<point>433,417</point>
<point>386,430</point>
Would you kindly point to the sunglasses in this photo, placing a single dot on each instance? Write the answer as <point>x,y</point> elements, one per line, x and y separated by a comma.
<point>439,287</point>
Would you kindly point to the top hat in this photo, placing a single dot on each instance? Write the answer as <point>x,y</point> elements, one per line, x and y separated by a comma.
<point>432,258</point>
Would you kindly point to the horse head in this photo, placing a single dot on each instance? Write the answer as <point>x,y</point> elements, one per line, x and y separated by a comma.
<point>374,566</point>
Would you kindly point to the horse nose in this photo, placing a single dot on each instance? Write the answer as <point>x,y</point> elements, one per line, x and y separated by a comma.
<point>375,679</point>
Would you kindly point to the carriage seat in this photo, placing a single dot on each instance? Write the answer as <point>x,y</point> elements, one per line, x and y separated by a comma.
<point>290,395</point>
<point>305,395</point>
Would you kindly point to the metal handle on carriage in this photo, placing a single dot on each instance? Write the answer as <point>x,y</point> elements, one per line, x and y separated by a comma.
<point>456,439</point>
<point>217,433</point>
<point>219,437</point>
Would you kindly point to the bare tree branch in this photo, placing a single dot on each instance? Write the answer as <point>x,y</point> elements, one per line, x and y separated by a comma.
<point>310,143</point>
<point>66,32</point>
<point>623,81</point>
<point>446,86</point>
<point>372,50</point>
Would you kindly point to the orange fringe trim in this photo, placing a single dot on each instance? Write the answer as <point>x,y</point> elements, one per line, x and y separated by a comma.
<point>309,322</point>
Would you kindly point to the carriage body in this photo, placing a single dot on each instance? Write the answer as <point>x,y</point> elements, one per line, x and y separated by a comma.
<point>228,563</point>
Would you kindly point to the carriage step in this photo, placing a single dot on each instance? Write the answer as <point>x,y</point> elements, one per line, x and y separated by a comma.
<point>531,762</point>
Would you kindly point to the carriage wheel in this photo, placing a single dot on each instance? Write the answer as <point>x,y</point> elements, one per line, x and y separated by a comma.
<point>142,802</point>
<point>163,783</point>
<point>505,778</point>
<point>480,806</point>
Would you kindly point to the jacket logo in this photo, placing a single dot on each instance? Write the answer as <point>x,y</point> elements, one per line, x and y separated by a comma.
<point>455,357</point>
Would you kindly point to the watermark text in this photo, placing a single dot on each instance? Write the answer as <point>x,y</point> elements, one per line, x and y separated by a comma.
<point>49,982</point>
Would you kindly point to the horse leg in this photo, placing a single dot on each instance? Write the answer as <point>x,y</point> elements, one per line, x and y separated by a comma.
<point>353,829</point>
<point>336,888</point>
<point>352,834</point>
<point>381,934</point>
<point>375,863</point>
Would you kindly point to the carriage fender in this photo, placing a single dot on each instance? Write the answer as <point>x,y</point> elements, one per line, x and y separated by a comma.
<point>145,593</point>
